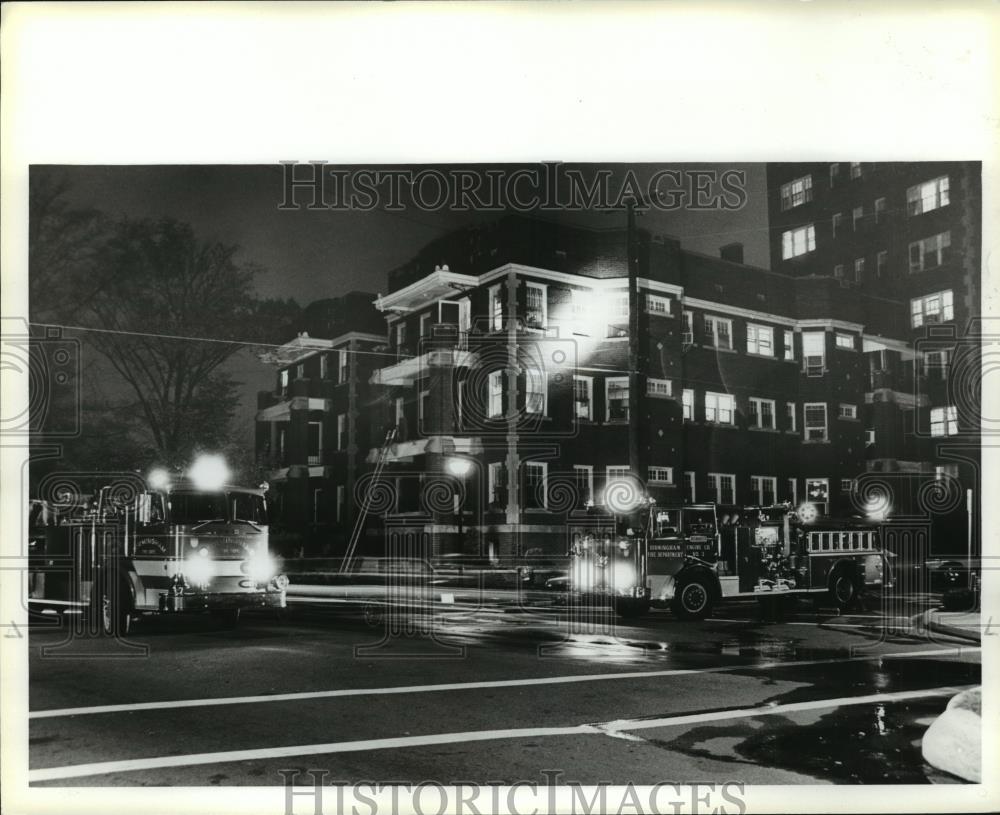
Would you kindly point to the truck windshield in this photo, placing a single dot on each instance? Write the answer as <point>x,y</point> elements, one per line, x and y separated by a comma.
<point>197,507</point>
<point>249,507</point>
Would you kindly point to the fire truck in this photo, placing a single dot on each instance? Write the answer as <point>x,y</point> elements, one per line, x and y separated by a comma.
<point>176,546</point>
<point>689,558</point>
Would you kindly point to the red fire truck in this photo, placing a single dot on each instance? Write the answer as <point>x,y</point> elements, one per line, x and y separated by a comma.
<point>689,558</point>
<point>174,547</point>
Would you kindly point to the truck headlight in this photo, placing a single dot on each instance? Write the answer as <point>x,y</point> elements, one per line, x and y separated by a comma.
<point>261,567</point>
<point>199,568</point>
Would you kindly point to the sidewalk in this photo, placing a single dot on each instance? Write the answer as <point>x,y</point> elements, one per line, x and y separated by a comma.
<point>966,625</point>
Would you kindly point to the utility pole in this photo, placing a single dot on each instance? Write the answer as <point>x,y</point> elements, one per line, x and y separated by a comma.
<point>513,459</point>
<point>631,254</point>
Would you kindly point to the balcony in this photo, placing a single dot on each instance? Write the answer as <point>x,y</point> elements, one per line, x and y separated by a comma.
<point>407,371</point>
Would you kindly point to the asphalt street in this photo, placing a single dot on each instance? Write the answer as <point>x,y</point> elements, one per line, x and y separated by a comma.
<point>494,690</point>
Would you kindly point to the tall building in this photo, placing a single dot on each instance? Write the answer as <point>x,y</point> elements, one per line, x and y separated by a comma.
<point>911,232</point>
<point>313,429</point>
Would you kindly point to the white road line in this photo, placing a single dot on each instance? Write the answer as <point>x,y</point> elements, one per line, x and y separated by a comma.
<point>608,728</point>
<point>498,683</point>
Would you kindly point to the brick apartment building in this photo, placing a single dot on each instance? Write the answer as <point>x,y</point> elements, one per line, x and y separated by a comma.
<point>910,231</point>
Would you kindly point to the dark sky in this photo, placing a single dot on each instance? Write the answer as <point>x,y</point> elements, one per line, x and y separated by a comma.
<point>308,255</point>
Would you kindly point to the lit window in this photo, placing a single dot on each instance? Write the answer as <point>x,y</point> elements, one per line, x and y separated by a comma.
<point>497,482</point>
<point>720,408</point>
<point>845,341</point>
<point>944,421</point>
<point>422,401</point>
<point>496,309</point>
<point>724,487</point>
<point>796,193</point>
<point>790,414</point>
<point>834,173</point>
<point>687,401</point>
<point>760,340</point>
<point>932,308</point>
<point>687,334</point>
<point>283,381</point>
<point>815,421</point>
<point>583,397</point>
<point>814,352</point>
<point>762,413</point>
<point>342,365</point>
<point>323,366</point>
<point>847,411</point>
<point>659,387</point>
<point>495,406</point>
<point>927,196</point>
<point>859,269</point>
<point>880,207</point>
<point>855,169</point>
<point>818,492</point>
<point>619,315</point>
<point>661,475</point>
<point>399,412</point>
<point>943,471</point>
<point>616,394</point>
<point>798,241</point>
<point>869,437</point>
<point>400,334</point>
<point>617,473</point>
<point>535,315</point>
<point>765,489</point>
<point>789,346</point>
<point>583,480</point>
<point>534,391</point>
<point>655,304</point>
<point>930,253</point>
<point>718,332</point>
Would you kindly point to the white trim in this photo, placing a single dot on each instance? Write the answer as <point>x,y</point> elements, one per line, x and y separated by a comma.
<point>589,469</point>
<point>545,482</point>
<point>531,284</point>
<point>760,400</point>
<point>871,342</point>
<point>715,479</point>
<point>607,401</point>
<point>590,397</point>
<point>691,481</point>
<point>342,431</point>
<point>669,470</point>
<point>737,311</point>
<point>825,323</point>
<point>438,278</point>
<point>758,488</point>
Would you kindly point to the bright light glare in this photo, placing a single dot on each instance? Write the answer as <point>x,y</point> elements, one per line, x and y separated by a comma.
<point>158,479</point>
<point>622,495</point>
<point>878,506</point>
<point>624,576</point>
<point>209,472</point>
<point>199,569</point>
<point>807,513</point>
<point>261,567</point>
<point>459,466</point>
<point>581,577</point>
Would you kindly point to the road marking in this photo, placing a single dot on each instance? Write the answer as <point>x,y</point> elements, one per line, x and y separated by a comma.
<point>614,728</point>
<point>498,683</point>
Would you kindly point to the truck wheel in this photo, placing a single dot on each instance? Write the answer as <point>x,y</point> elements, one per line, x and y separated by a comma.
<point>843,589</point>
<point>115,613</point>
<point>629,608</point>
<point>693,598</point>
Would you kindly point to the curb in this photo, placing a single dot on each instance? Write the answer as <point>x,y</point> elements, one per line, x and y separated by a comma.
<point>926,620</point>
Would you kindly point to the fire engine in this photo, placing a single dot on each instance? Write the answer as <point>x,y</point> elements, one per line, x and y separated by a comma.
<point>188,545</point>
<point>690,557</point>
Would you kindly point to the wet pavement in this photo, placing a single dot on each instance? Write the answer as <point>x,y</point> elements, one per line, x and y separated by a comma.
<point>495,693</point>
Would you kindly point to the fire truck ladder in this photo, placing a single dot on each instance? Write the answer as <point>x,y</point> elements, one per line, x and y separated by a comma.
<point>359,523</point>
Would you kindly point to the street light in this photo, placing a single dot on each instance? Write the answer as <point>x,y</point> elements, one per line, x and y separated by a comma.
<point>459,467</point>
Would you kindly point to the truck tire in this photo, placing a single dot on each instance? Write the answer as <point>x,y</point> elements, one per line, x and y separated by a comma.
<point>693,598</point>
<point>629,608</point>
<point>843,588</point>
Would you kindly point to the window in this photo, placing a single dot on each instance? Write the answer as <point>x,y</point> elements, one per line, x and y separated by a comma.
<point>425,325</point>
<point>760,340</point>
<point>495,309</point>
<point>317,505</point>
<point>762,413</point>
<point>797,192</point>
<point>857,215</point>
<point>662,388</point>
<point>399,412</point>
<point>536,485</point>
<point>494,407</point>
<point>323,367</point>
<point>283,382</point>
<point>789,346</point>
<point>943,471</point>
<point>300,371</point>
<point>583,479</point>
<point>798,241</point>
<point>793,491</point>
<point>927,196</point>
<point>818,492</point>
<point>869,437</point>
<point>838,271</point>
<point>930,253</point>
<point>838,223</point>
<point>687,333</point>
<point>859,269</point>
<point>846,485</point>
<point>618,317</point>
<point>855,169</point>
<point>932,308</point>
<point>879,210</point>
<point>814,352</point>
<point>936,364</point>
<point>617,473</point>
<point>535,392</point>
<point>724,487</point>
<point>944,421</point>
<point>881,264</point>
<point>657,305</point>
<point>765,489</point>
<point>497,482</point>
<point>616,396</point>
<point>718,332</point>
<point>689,487</point>
<point>661,475</point>
<point>845,341</point>
<point>582,307</point>
<point>583,397</point>
<point>423,399</point>
<point>315,446</point>
<point>341,508</point>
<point>720,407</point>
<point>834,173</point>
<point>342,432</point>
<point>814,414</point>
<point>536,313</point>
<point>687,404</point>
<point>400,334</point>
<point>846,411</point>
<point>342,365</point>
<point>790,415</point>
